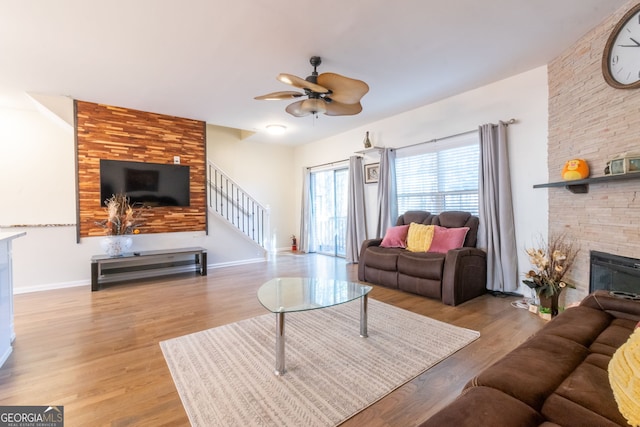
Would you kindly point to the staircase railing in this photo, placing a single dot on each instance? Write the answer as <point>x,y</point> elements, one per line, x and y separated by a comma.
<point>232,203</point>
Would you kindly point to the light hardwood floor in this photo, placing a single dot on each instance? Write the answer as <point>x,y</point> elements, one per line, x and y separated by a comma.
<point>97,353</point>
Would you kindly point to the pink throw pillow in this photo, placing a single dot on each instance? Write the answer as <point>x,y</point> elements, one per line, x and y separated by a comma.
<point>445,239</point>
<point>395,237</point>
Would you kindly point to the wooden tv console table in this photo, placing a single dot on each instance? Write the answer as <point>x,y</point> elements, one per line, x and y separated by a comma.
<point>141,264</point>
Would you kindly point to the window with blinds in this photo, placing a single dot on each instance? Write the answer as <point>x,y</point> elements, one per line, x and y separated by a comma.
<point>439,176</point>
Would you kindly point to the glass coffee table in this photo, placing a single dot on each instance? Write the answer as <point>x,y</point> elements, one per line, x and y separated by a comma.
<point>289,294</point>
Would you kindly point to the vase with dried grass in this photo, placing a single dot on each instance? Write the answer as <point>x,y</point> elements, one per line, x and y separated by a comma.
<point>550,262</point>
<point>123,220</point>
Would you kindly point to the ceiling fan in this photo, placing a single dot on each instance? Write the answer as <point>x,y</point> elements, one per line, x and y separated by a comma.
<point>328,93</point>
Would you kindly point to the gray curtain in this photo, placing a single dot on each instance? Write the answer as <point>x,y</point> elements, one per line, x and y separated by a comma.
<point>496,233</point>
<point>387,203</point>
<point>306,238</point>
<point>356,214</point>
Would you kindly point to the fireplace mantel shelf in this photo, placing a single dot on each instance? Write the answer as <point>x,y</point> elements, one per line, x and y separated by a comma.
<point>581,186</point>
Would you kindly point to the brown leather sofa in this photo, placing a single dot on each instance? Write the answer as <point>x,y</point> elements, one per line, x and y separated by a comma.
<point>454,277</point>
<point>558,377</point>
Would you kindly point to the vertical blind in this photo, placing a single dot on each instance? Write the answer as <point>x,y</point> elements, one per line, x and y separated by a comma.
<point>439,176</point>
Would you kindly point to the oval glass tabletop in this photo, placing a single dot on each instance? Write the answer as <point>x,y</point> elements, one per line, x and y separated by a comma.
<point>288,294</point>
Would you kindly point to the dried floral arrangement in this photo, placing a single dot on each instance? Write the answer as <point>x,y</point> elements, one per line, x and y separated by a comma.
<point>550,261</point>
<point>122,216</point>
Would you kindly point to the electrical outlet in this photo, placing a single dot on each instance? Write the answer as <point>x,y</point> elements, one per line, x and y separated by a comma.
<point>176,160</point>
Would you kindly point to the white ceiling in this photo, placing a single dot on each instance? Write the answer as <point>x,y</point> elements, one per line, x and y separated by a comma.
<point>207,59</point>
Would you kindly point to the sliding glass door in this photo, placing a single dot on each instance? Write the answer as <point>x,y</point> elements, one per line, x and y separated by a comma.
<point>329,189</point>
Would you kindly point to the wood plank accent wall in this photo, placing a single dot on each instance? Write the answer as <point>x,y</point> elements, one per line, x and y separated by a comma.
<point>114,133</point>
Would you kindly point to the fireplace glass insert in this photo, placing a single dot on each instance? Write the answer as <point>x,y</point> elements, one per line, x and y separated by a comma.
<point>615,273</point>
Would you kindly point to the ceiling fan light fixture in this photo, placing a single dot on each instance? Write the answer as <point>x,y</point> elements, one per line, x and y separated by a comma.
<point>276,129</point>
<point>314,106</point>
<point>328,93</point>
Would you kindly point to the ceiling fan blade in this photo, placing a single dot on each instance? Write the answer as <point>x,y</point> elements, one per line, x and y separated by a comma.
<point>306,107</point>
<point>339,109</point>
<point>276,96</point>
<point>295,81</point>
<point>345,89</point>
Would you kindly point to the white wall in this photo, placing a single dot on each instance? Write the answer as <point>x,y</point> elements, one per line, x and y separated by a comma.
<point>523,97</point>
<point>37,170</point>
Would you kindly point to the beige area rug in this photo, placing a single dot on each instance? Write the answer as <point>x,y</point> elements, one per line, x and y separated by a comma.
<point>225,375</point>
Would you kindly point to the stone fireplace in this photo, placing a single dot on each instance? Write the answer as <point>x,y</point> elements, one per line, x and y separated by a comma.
<point>591,120</point>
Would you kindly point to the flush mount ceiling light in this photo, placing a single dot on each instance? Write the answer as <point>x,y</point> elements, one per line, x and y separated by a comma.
<point>276,129</point>
<point>328,93</point>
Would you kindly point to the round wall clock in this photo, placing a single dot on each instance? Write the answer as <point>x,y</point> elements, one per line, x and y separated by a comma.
<point>621,58</point>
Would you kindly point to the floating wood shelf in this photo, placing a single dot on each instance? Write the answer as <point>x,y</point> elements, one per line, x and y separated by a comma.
<point>370,150</point>
<point>581,186</point>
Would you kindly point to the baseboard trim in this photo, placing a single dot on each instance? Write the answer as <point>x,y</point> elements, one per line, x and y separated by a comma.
<point>51,286</point>
<point>87,282</point>
<point>5,356</point>
<point>234,263</point>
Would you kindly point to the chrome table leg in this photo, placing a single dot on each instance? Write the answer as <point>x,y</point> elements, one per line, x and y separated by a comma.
<point>279,344</point>
<point>363,316</point>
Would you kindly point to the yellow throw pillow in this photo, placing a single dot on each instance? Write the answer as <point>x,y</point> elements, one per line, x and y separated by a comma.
<point>419,237</point>
<point>624,377</point>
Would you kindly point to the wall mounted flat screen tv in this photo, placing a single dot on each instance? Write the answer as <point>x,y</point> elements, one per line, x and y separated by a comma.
<point>152,184</point>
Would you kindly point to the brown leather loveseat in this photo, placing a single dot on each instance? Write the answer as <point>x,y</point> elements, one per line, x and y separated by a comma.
<point>453,277</point>
<point>558,377</point>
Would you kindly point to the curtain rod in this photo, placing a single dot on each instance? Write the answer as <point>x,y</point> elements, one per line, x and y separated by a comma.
<point>328,164</point>
<point>507,123</point>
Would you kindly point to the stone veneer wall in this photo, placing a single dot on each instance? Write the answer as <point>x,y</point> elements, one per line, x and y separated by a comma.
<point>115,133</point>
<point>591,120</point>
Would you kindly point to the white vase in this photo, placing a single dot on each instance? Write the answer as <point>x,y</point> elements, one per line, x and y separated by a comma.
<point>116,246</point>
